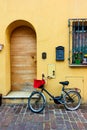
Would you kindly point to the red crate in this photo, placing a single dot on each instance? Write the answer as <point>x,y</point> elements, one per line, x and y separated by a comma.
<point>38,83</point>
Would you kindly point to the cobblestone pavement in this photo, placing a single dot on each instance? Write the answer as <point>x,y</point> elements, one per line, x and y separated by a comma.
<point>54,117</point>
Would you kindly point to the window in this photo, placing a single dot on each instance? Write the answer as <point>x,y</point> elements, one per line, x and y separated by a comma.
<point>77,41</point>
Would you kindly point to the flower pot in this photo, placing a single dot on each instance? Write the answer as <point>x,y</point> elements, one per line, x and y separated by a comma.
<point>78,61</point>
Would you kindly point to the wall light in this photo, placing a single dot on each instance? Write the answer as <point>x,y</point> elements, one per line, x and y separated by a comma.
<point>1,47</point>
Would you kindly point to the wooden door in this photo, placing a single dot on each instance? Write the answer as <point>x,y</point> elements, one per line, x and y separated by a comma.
<point>23,58</point>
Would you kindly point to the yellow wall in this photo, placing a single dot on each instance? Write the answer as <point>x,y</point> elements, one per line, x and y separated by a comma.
<point>50,21</point>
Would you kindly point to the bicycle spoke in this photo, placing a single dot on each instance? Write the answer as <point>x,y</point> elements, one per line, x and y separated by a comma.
<point>37,103</point>
<point>72,100</point>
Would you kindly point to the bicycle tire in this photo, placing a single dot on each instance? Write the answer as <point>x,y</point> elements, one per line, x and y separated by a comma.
<point>36,102</point>
<point>74,102</point>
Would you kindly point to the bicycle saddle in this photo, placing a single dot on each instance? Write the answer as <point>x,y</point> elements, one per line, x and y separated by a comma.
<point>64,82</point>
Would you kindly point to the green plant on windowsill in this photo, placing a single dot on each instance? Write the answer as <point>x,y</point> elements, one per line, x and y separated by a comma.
<point>77,56</point>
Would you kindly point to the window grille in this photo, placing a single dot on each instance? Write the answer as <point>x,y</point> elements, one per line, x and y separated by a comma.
<point>77,41</point>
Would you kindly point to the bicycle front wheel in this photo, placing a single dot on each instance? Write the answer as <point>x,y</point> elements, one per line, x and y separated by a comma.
<point>36,102</point>
<point>72,100</point>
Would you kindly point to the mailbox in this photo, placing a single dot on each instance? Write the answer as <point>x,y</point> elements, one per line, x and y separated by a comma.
<point>59,53</point>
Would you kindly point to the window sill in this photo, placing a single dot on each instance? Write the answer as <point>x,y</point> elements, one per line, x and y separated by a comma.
<point>77,65</point>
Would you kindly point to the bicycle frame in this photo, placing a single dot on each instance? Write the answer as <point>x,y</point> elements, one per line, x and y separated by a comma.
<point>58,99</point>
<point>43,89</point>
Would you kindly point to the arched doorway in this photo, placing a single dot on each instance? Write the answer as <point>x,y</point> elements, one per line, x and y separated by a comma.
<point>23,58</point>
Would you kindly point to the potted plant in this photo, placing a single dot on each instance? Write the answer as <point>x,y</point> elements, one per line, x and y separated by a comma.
<point>77,57</point>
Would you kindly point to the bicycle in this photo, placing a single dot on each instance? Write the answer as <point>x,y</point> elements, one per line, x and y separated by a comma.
<point>70,98</point>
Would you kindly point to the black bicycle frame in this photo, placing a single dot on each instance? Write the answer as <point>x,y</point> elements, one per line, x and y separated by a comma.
<point>58,99</point>
<point>43,89</point>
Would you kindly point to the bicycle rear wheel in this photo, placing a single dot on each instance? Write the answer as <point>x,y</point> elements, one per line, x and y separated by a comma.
<point>36,102</point>
<point>72,100</point>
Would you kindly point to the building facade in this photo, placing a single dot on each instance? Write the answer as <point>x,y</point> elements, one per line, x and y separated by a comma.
<point>41,36</point>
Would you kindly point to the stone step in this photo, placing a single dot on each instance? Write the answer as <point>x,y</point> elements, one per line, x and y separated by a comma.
<point>16,97</point>
<point>14,101</point>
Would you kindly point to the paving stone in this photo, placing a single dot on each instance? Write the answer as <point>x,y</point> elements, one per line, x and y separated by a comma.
<point>80,125</point>
<point>65,116</point>
<point>59,120</point>
<point>68,125</point>
<point>85,126</point>
<point>47,126</point>
<point>61,127</point>
<point>54,117</point>
<point>53,124</point>
<point>74,126</point>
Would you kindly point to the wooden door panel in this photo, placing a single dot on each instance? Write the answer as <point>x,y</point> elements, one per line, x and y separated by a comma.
<point>23,58</point>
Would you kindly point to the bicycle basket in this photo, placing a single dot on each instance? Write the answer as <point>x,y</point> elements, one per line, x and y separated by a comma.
<point>38,83</point>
